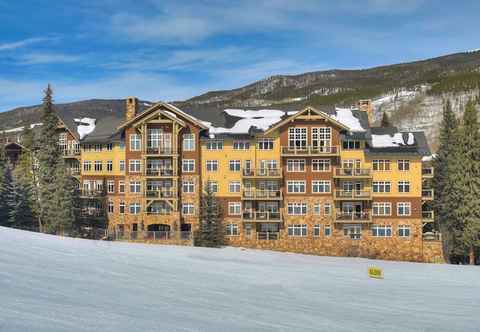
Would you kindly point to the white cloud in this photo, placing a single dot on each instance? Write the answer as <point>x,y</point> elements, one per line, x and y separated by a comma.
<point>21,43</point>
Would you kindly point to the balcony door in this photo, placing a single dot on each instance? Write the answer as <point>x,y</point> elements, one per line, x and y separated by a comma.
<point>297,138</point>
<point>322,138</point>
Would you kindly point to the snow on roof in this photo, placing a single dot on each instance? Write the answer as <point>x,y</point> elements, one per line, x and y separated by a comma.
<point>247,114</point>
<point>346,117</point>
<point>85,126</point>
<point>429,158</point>
<point>385,141</point>
<point>171,114</point>
<point>18,129</point>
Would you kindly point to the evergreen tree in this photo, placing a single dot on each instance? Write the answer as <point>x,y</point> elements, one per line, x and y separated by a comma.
<point>385,120</point>
<point>63,221</point>
<point>19,201</point>
<point>211,232</point>
<point>4,185</point>
<point>470,206</point>
<point>48,156</point>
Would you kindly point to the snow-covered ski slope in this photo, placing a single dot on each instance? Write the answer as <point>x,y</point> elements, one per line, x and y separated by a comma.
<point>49,283</point>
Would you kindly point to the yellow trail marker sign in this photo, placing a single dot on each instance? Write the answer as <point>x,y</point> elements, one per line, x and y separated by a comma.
<point>375,272</point>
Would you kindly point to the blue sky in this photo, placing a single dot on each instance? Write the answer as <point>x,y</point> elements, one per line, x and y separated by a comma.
<point>173,50</point>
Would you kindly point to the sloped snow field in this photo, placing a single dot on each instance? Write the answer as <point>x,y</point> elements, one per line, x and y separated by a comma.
<point>49,283</point>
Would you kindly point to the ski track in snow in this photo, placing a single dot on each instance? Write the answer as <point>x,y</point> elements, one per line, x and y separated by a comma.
<point>49,283</point>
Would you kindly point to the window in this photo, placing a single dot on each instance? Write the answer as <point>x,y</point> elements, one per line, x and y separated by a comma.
<point>134,208</point>
<point>297,230</point>
<point>320,186</point>
<point>158,140</point>
<point>188,209</point>
<point>212,165</point>
<point>62,140</point>
<point>381,186</point>
<point>110,186</point>
<point>110,207</point>
<point>403,164</point>
<point>382,230</point>
<point>99,185</point>
<point>296,186</point>
<point>188,142</point>
<point>317,209</point>
<point>135,142</point>
<point>98,166</point>
<point>241,145</point>
<point>296,165</point>
<point>121,187</point>
<point>135,186</point>
<point>351,145</point>
<point>214,145</point>
<point>234,208</point>
<point>294,209</point>
<point>403,209</point>
<point>403,186</point>
<point>321,165</point>
<point>98,147</point>
<point>134,166</point>
<point>403,230</point>
<point>297,138</point>
<point>327,230</point>
<point>382,209</point>
<point>353,231</point>
<point>188,165</point>
<point>109,147</point>
<point>109,166</point>
<point>234,186</point>
<point>234,165</point>
<point>121,165</point>
<point>87,166</point>
<point>232,229</point>
<point>121,207</point>
<point>327,209</point>
<point>381,165</point>
<point>316,230</point>
<point>322,138</point>
<point>265,144</point>
<point>87,148</point>
<point>188,186</point>
<point>213,186</point>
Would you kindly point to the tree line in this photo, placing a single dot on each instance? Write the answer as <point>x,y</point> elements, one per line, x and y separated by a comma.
<point>38,193</point>
<point>457,183</point>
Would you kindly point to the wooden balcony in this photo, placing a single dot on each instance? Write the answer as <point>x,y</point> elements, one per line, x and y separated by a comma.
<point>262,195</point>
<point>73,171</point>
<point>310,151</point>
<point>264,173</point>
<point>262,216</point>
<point>71,153</point>
<point>159,151</point>
<point>357,173</point>
<point>428,216</point>
<point>92,213</point>
<point>427,194</point>
<point>353,195</point>
<point>91,193</point>
<point>353,218</point>
<point>161,194</point>
<point>427,172</point>
<point>160,172</point>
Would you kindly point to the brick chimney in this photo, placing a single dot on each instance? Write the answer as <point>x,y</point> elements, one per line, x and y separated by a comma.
<point>366,105</point>
<point>132,105</point>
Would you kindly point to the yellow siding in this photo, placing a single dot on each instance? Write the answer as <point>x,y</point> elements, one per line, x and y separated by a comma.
<point>115,156</point>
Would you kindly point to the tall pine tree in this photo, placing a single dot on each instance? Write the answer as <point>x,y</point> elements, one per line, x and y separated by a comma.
<point>210,232</point>
<point>4,185</point>
<point>48,155</point>
<point>19,201</point>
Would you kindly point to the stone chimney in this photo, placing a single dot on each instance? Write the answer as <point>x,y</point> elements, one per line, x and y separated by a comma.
<point>366,105</point>
<point>132,105</point>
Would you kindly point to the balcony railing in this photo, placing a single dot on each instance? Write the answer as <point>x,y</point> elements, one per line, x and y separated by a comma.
<point>73,171</point>
<point>353,194</point>
<point>165,193</point>
<point>70,152</point>
<point>163,212</point>
<point>91,193</point>
<point>428,216</point>
<point>427,194</point>
<point>149,235</point>
<point>160,172</point>
<point>92,213</point>
<point>262,216</point>
<point>310,151</point>
<point>160,150</point>
<point>262,194</point>
<point>268,236</point>
<point>432,236</point>
<point>263,172</point>
<point>427,172</point>
<point>352,172</point>
<point>349,217</point>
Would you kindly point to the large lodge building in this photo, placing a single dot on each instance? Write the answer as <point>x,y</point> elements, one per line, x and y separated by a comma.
<point>320,181</point>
